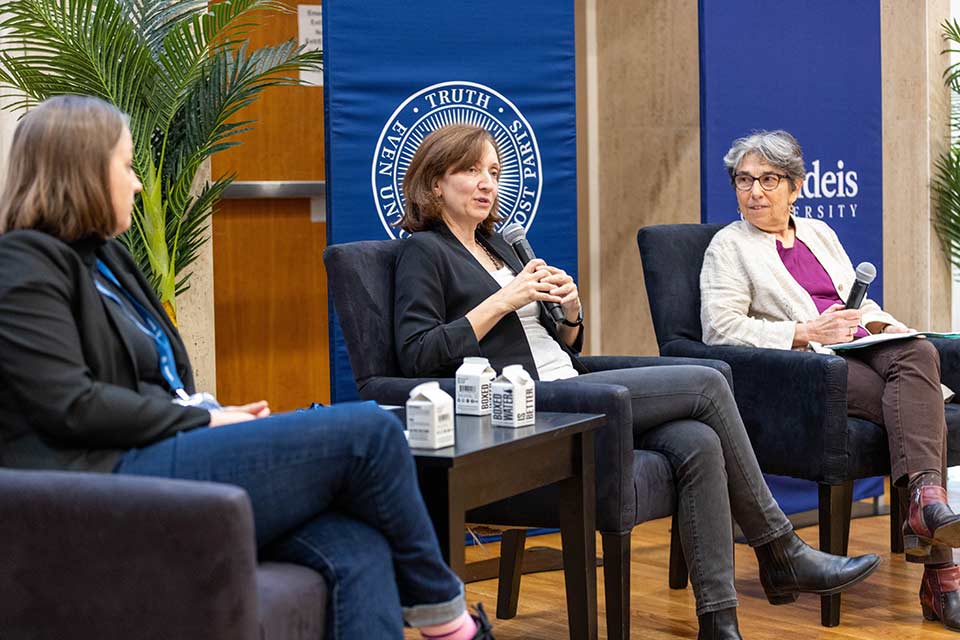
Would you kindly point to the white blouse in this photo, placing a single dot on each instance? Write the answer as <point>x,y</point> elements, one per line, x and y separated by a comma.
<point>552,361</point>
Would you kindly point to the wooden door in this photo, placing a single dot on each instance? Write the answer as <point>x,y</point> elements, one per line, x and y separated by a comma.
<point>270,287</point>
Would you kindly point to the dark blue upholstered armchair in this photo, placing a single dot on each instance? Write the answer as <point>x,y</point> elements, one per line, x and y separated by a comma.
<point>633,486</point>
<point>94,556</point>
<point>794,403</point>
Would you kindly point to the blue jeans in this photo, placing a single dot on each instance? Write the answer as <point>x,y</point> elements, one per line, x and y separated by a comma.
<point>333,489</point>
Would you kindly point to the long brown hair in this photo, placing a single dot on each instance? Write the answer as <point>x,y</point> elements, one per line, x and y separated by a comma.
<point>454,147</point>
<point>58,179</point>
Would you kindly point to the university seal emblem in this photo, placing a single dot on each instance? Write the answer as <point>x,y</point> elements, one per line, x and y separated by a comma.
<point>458,103</point>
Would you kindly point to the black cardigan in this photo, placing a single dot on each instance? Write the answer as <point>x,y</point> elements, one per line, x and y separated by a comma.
<point>70,393</point>
<point>437,282</point>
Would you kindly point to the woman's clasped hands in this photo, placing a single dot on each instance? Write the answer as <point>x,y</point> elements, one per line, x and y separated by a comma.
<point>538,281</point>
<point>239,413</point>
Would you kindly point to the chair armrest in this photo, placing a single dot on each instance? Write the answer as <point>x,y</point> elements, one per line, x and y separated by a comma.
<point>613,444</point>
<point>125,557</point>
<point>790,401</point>
<point>949,361</point>
<point>395,390</point>
<point>606,363</point>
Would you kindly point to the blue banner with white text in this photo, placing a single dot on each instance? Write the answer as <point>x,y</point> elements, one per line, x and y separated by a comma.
<point>395,71</point>
<point>813,69</point>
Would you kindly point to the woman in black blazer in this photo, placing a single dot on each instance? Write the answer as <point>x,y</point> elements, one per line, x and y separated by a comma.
<point>461,291</point>
<point>95,377</point>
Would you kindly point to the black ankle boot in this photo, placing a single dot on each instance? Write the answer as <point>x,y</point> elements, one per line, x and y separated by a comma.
<point>788,566</point>
<point>484,628</point>
<point>719,625</point>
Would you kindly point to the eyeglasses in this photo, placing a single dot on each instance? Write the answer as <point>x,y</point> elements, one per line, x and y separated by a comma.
<point>768,181</point>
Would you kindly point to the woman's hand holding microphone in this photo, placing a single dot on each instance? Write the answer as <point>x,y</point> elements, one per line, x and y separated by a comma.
<point>835,325</point>
<point>532,284</point>
<point>536,282</point>
<point>566,290</point>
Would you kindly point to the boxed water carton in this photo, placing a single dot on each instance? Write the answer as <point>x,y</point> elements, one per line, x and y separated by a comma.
<point>512,398</point>
<point>430,417</point>
<point>474,380</point>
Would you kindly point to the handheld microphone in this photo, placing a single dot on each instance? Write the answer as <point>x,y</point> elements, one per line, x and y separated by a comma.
<point>516,237</point>
<point>866,272</point>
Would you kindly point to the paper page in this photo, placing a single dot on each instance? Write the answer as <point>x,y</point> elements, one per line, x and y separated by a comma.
<point>887,337</point>
<point>866,341</point>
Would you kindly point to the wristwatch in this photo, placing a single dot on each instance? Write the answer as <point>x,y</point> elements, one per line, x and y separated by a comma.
<point>575,323</point>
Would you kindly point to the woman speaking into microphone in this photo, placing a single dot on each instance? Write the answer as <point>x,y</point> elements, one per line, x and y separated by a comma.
<point>461,291</point>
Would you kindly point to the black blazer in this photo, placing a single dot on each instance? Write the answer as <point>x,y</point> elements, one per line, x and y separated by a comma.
<point>437,282</point>
<point>70,394</point>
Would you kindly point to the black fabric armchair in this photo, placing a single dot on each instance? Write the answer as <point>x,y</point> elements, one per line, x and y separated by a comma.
<point>101,557</point>
<point>793,403</point>
<point>633,486</point>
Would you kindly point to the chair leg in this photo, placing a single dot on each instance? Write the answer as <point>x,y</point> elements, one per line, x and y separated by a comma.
<point>897,516</point>
<point>616,582</point>
<point>511,562</point>
<point>679,574</point>
<point>836,500</point>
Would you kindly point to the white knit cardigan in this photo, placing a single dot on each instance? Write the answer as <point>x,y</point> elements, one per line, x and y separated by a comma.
<point>747,296</point>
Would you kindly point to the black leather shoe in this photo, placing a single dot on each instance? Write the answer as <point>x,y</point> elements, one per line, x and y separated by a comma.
<point>484,628</point>
<point>788,567</point>
<point>940,596</point>
<point>719,625</point>
<point>929,521</point>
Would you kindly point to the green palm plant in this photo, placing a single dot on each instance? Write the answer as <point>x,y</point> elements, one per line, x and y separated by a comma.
<point>946,179</point>
<point>181,69</point>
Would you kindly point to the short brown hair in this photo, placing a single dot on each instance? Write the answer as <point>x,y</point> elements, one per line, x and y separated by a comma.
<point>58,180</point>
<point>454,147</point>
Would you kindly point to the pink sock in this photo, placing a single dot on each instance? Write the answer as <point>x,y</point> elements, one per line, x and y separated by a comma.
<point>460,628</point>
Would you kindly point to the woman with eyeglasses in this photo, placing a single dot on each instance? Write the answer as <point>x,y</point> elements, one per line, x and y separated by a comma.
<point>778,281</point>
<point>461,291</point>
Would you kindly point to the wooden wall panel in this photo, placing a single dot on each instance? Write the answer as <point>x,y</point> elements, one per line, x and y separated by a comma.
<point>916,277</point>
<point>271,292</point>
<point>270,283</point>
<point>287,141</point>
<point>648,150</point>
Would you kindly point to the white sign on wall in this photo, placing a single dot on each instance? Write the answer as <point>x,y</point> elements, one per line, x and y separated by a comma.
<point>310,35</point>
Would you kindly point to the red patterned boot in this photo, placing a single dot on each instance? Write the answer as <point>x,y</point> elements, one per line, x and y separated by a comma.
<point>940,595</point>
<point>929,521</point>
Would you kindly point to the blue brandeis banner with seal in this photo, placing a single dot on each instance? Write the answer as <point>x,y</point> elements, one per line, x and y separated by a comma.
<point>813,69</point>
<point>396,71</point>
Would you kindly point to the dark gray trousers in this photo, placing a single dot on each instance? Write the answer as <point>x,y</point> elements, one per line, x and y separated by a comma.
<point>688,413</point>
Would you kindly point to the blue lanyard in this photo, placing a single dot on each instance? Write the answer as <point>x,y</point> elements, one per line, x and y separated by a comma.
<point>148,325</point>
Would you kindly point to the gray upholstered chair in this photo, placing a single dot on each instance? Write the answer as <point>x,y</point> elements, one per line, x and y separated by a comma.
<point>793,403</point>
<point>101,557</point>
<point>633,486</point>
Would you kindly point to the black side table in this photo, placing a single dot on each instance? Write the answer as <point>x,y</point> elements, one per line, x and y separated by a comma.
<point>491,463</point>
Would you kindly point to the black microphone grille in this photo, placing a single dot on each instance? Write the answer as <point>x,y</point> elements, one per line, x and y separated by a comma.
<point>513,233</point>
<point>866,272</point>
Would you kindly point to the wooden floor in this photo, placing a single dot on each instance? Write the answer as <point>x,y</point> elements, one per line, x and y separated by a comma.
<point>885,606</point>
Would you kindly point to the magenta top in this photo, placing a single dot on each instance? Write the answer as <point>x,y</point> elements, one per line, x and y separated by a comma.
<point>810,274</point>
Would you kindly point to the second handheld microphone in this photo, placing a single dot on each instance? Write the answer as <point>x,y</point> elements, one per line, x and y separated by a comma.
<point>516,237</point>
<point>866,272</point>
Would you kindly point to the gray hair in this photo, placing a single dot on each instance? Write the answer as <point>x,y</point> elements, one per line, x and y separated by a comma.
<point>778,148</point>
